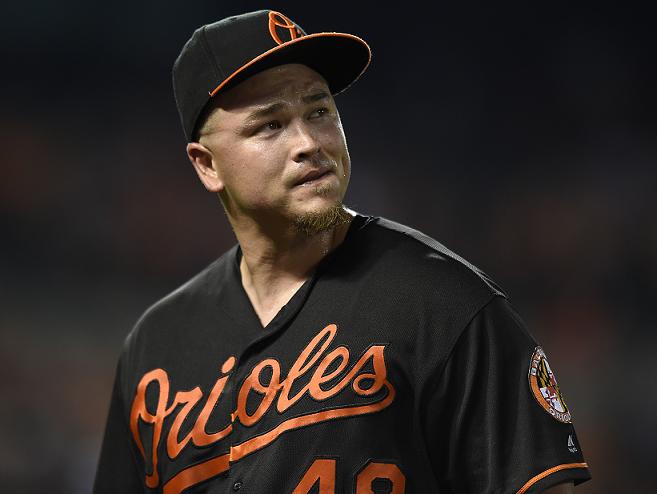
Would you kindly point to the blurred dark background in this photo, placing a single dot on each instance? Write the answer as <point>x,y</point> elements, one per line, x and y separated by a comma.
<point>523,137</point>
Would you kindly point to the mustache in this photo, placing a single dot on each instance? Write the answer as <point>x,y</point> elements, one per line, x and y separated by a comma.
<point>320,161</point>
<point>314,167</point>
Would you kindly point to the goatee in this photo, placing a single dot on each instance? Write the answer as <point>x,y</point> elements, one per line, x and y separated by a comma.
<point>310,224</point>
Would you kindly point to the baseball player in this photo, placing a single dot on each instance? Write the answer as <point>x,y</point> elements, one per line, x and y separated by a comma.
<point>328,351</point>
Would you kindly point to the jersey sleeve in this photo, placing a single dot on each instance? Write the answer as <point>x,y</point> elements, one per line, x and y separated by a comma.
<point>117,468</point>
<point>496,419</point>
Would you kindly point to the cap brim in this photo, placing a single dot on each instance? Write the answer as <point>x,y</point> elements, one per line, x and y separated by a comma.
<point>339,57</point>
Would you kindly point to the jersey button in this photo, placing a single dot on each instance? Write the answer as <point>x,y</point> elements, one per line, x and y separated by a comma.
<point>237,486</point>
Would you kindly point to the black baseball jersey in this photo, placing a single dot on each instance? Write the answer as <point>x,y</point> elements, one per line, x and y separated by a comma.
<point>397,367</point>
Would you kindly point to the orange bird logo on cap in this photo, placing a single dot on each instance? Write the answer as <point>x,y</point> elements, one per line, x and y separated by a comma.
<point>276,19</point>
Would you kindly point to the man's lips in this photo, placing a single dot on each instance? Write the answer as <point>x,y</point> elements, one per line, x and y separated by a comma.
<point>313,175</point>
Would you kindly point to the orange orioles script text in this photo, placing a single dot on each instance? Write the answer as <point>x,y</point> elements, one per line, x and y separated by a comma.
<point>276,390</point>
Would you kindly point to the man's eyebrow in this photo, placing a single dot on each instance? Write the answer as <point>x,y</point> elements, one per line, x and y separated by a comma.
<point>265,112</point>
<point>315,97</point>
<point>273,108</point>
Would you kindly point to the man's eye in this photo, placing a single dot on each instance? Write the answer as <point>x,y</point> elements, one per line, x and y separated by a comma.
<point>267,127</point>
<point>273,125</point>
<point>319,112</point>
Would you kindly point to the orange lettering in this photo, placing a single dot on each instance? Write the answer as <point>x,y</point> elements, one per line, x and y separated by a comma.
<point>190,399</point>
<point>375,470</point>
<point>139,411</point>
<point>363,384</point>
<point>276,19</point>
<point>253,383</point>
<point>322,470</point>
<point>300,367</point>
<point>199,436</point>
<point>318,378</point>
<point>380,373</point>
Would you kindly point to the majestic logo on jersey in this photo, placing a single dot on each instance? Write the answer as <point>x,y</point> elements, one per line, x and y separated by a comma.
<point>322,374</point>
<point>278,20</point>
<point>544,387</point>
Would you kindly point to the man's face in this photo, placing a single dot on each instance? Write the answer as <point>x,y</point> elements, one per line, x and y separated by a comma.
<point>277,146</point>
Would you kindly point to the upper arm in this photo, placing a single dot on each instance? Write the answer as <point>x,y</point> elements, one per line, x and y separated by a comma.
<point>488,424</point>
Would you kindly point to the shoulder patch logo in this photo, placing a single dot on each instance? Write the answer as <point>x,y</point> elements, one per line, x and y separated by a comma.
<point>545,389</point>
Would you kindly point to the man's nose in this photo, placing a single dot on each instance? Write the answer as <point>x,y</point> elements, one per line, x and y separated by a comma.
<point>305,142</point>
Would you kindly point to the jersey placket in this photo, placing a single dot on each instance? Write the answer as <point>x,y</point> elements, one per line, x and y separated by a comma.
<point>255,341</point>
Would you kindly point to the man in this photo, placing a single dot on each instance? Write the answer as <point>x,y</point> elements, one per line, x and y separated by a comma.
<point>327,351</point>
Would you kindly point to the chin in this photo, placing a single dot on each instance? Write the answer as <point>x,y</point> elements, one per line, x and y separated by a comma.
<point>317,220</point>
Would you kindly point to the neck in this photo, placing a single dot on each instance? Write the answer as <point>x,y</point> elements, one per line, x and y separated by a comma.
<point>275,264</point>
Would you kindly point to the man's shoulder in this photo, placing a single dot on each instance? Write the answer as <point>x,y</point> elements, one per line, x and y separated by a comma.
<point>203,289</point>
<point>417,258</point>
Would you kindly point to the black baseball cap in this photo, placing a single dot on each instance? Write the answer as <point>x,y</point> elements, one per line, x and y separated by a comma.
<point>220,55</point>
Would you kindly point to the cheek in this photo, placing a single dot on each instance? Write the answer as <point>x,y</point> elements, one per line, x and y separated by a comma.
<point>346,164</point>
<point>338,146</point>
<point>329,135</point>
<point>252,172</point>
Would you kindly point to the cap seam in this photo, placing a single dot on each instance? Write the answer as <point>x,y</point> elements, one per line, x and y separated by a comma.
<point>219,72</point>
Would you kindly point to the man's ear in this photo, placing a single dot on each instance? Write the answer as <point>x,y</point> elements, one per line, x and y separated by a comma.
<point>202,161</point>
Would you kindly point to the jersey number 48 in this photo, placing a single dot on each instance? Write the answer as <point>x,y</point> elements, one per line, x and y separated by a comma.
<point>323,471</point>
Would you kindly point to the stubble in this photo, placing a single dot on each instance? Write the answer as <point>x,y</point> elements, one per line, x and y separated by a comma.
<point>314,222</point>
